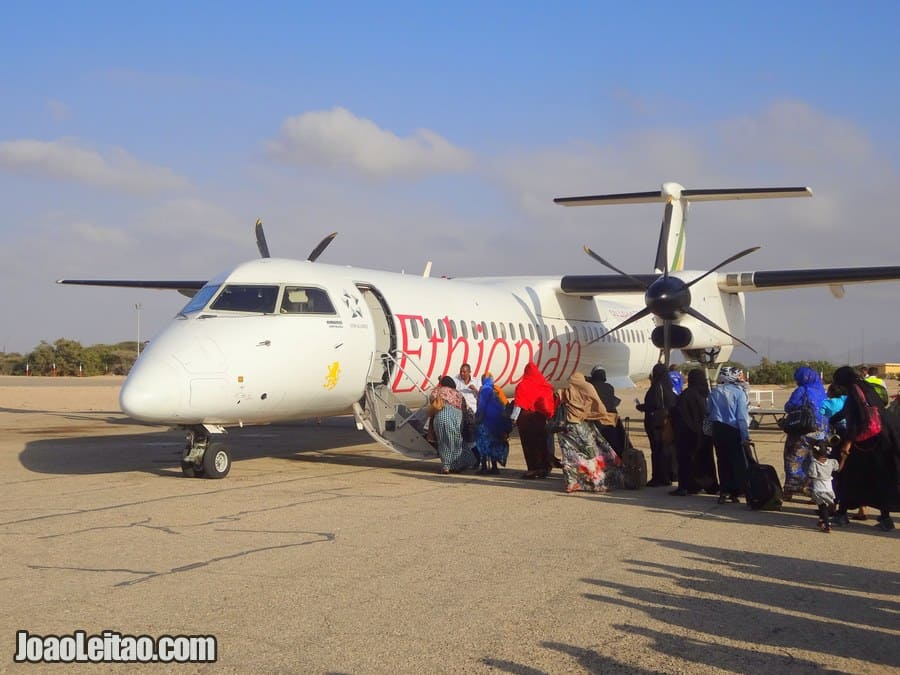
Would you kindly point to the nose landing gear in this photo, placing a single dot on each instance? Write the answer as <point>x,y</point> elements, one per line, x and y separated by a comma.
<point>203,459</point>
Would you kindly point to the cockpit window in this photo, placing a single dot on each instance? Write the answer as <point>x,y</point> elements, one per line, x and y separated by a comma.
<point>305,300</point>
<point>201,297</point>
<point>238,298</point>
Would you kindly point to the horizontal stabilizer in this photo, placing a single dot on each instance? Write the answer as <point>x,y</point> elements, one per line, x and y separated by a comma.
<point>188,288</point>
<point>689,195</point>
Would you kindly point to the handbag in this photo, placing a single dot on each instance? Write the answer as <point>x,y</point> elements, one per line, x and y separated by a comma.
<point>559,421</point>
<point>800,420</point>
<point>435,406</point>
<point>871,425</point>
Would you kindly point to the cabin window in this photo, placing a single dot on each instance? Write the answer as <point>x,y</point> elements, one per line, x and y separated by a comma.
<point>512,332</point>
<point>464,330</point>
<point>414,329</point>
<point>201,297</point>
<point>428,332</point>
<point>305,300</point>
<point>503,330</point>
<point>531,332</point>
<point>453,329</point>
<point>474,330</point>
<point>242,298</point>
<point>484,332</point>
<point>553,330</point>
<point>442,331</point>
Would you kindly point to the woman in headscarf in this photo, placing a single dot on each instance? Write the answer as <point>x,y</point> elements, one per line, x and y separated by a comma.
<point>534,401</point>
<point>657,405</point>
<point>589,462</point>
<point>872,467</point>
<point>696,465</point>
<point>492,435</point>
<point>445,404</point>
<point>797,448</point>
<point>726,407</point>
<point>607,393</point>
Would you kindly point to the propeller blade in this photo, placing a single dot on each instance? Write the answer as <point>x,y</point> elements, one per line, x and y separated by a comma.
<point>634,317</point>
<point>697,315</point>
<point>613,267</point>
<point>261,240</point>
<point>317,251</point>
<point>723,263</point>
<point>662,248</point>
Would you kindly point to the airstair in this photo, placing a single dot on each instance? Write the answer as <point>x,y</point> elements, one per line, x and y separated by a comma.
<point>385,418</point>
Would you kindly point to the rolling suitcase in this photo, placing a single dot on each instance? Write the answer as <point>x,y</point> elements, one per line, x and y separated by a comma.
<point>763,486</point>
<point>634,463</point>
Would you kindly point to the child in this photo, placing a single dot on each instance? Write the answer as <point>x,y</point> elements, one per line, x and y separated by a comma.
<point>820,472</point>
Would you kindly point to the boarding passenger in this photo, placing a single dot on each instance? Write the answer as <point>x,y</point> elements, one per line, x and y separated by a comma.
<point>534,405</point>
<point>821,470</point>
<point>492,436</point>
<point>726,407</point>
<point>696,464</point>
<point>615,435</point>
<point>445,406</point>
<point>589,462</point>
<point>872,469</point>
<point>809,392</point>
<point>676,379</point>
<point>657,406</point>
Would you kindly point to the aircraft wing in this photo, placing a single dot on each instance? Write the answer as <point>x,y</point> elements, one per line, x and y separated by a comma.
<point>742,282</point>
<point>737,282</point>
<point>188,288</point>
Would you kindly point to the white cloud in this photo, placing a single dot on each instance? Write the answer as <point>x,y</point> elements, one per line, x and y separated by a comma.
<point>97,234</point>
<point>66,159</point>
<point>794,133</point>
<point>338,138</point>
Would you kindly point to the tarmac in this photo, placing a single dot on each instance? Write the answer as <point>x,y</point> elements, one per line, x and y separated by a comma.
<point>323,552</point>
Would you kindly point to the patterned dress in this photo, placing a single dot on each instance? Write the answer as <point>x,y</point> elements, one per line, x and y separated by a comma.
<point>448,432</point>
<point>589,462</point>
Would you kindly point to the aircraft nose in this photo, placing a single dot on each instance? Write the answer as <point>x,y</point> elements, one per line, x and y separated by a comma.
<point>154,392</point>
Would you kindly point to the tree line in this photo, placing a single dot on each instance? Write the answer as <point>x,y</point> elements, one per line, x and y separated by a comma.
<point>69,357</point>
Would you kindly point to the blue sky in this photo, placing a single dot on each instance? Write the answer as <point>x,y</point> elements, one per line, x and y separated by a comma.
<point>144,139</point>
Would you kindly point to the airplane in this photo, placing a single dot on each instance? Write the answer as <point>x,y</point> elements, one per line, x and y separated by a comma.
<point>275,339</point>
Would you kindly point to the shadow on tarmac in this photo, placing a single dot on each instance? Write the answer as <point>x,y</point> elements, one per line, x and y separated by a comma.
<point>159,452</point>
<point>783,603</point>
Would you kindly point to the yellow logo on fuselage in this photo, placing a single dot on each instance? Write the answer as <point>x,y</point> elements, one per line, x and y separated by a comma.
<point>331,379</point>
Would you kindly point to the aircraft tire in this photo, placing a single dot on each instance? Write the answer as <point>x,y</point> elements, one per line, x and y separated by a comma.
<point>216,462</point>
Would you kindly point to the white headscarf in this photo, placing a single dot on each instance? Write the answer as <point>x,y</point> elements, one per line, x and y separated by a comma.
<point>729,375</point>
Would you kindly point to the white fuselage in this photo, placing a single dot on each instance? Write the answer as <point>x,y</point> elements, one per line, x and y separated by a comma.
<point>226,367</point>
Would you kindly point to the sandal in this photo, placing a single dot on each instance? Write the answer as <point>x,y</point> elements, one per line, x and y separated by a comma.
<point>574,487</point>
